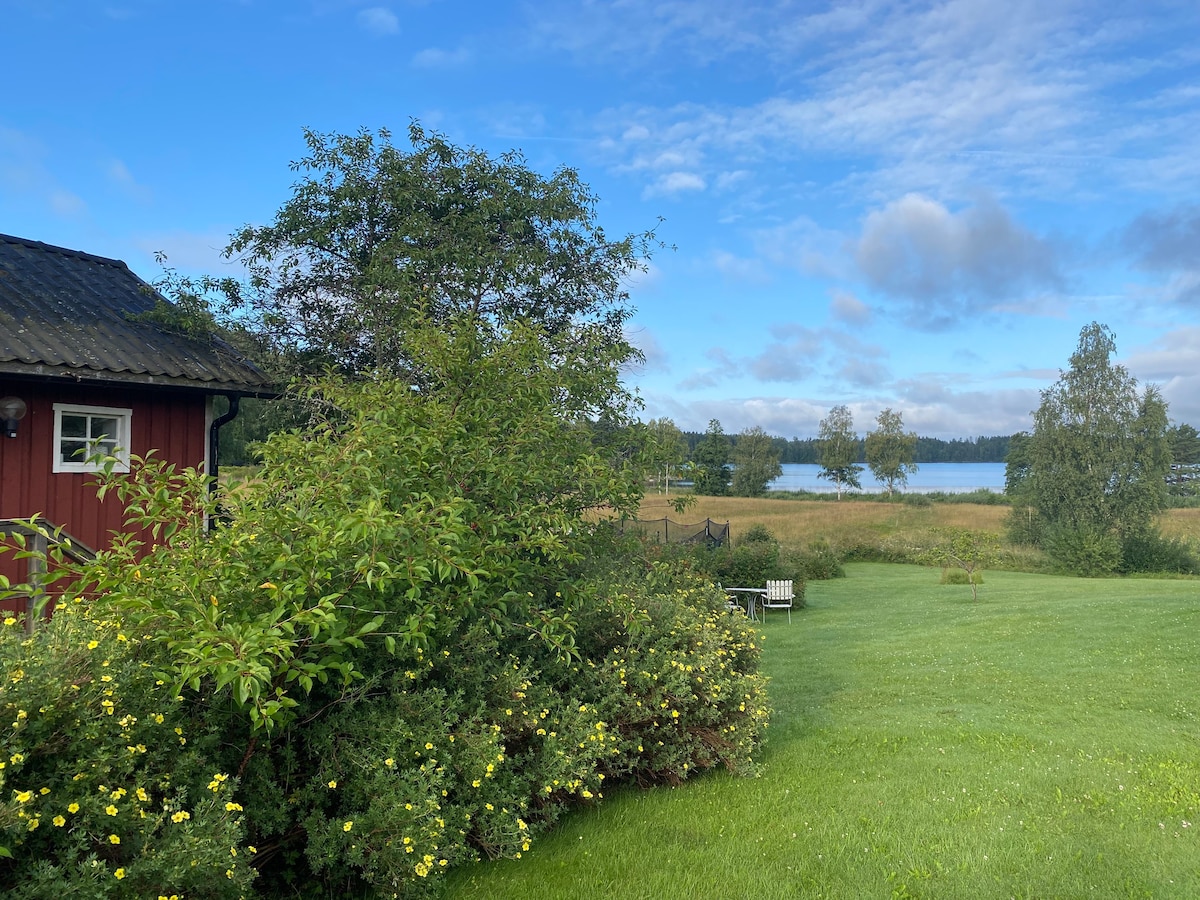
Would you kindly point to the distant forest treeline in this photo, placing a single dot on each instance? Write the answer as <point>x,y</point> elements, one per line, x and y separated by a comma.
<point>929,450</point>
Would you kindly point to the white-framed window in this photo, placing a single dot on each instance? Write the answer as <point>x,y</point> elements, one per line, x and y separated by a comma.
<point>80,432</point>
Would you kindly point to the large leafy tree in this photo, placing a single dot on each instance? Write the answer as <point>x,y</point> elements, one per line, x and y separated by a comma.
<point>377,238</point>
<point>1098,457</point>
<point>838,448</point>
<point>890,450</point>
<point>710,459</point>
<point>755,463</point>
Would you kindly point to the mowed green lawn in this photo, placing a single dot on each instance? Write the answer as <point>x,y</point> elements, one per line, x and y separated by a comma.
<point>1043,742</point>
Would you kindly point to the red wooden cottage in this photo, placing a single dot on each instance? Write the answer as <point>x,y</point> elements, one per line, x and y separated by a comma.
<point>79,373</point>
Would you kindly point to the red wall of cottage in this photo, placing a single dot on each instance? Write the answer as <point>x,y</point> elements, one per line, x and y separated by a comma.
<point>171,423</point>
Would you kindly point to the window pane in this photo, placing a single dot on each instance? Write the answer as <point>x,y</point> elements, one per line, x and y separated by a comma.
<point>104,426</point>
<point>74,426</point>
<point>72,450</point>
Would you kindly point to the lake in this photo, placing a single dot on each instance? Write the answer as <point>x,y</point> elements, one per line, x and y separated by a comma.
<point>952,478</point>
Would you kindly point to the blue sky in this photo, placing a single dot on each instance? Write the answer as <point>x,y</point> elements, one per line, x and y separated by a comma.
<point>916,205</point>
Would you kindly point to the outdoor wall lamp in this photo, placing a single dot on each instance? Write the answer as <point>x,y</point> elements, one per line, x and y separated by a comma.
<point>12,410</point>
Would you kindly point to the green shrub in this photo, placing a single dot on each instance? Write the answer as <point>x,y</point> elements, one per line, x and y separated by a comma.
<point>1086,551</point>
<point>960,576</point>
<point>1149,551</point>
<point>749,564</point>
<point>758,533</point>
<point>818,561</point>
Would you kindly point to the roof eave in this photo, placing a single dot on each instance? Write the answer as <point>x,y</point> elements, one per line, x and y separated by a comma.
<point>62,374</point>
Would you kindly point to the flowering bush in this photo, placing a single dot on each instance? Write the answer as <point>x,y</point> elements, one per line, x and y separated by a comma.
<point>681,688</point>
<point>103,793</point>
<point>402,650</point>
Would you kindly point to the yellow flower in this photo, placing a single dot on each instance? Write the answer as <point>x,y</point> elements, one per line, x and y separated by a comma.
<point>114,839</point>
<point>111,810</point>
<point>142,795</point>
<point>59,821</point>
<point>347,826</point>
<point>24,796</point>
<point>333,783</point>
<point>389,762</point>
<point>181,816</point>
<point>233,807</point>
<point>73,808</point>
<point>10,621</point>
<point>119,874</point>
<point>92,645</point>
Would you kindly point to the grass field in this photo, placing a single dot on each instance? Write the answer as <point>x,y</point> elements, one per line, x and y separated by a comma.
<point>796,522</point>
<point>861,523</point>
<point>1043,742</point>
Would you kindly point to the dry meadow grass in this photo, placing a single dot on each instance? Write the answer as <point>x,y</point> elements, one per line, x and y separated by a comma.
<point>861,522</point>
<point>842,523</point>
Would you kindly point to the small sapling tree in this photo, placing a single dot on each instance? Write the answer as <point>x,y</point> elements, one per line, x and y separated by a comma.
<point>970,551</point>
<point>838,446</point>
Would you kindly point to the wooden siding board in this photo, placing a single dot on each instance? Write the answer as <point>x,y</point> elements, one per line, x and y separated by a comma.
<point>171,423</point>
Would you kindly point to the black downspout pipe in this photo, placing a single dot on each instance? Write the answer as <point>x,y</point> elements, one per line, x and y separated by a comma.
<point>214,447</point>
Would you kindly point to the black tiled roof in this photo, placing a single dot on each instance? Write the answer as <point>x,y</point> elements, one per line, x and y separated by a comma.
<point>63,312</point>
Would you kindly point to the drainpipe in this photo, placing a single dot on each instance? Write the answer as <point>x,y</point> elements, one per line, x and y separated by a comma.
<point>214,445</point>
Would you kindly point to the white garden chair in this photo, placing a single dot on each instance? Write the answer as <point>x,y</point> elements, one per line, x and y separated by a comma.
<point>779,596</point>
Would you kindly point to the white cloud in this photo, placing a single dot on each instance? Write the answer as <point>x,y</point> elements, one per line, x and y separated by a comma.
<point>67,204</point>
<point>118,173</point>
<point>676,183</point>
<point>656,357</point>
<point>739,269</point>
<point>1173,362</point>
<point>946,415</point>
<point>804,245</point>
<point>947,263</point>
<point>937,97</point>
<point>1167,242</point>
<point>845,307</point>
<point>644,280</point>
<point>727,181</point>
<point>437,58</point>
<point>378,20</point>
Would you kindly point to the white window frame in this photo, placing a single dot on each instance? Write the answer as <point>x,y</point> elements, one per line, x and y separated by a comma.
<point>124,419</point>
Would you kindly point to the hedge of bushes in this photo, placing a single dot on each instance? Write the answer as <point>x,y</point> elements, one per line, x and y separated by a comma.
<point>402,651</point>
